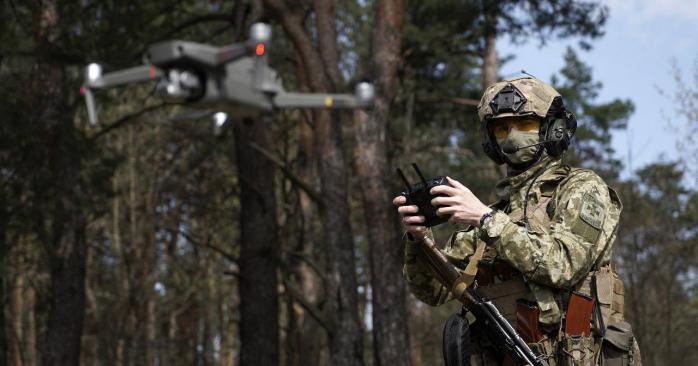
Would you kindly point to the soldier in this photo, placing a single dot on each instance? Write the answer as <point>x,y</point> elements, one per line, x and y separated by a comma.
<point>547,241</point>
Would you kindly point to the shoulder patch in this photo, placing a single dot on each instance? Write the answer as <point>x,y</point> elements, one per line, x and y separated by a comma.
<point>591,211</point>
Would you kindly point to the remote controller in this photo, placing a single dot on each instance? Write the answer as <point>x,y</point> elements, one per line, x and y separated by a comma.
<point>419,195</point>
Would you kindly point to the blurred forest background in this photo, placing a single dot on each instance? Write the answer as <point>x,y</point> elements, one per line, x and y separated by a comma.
<point>148,241</point>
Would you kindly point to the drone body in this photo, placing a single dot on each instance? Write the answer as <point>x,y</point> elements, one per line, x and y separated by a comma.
<point>234,79</point>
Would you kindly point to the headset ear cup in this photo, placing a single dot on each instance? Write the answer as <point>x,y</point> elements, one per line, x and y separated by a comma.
<point>571,125</point>
<point>557,137</point>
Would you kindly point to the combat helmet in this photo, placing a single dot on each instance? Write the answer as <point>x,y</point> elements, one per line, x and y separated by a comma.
<point>526,96</point>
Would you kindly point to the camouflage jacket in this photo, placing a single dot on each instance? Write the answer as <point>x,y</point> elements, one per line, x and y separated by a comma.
<point>572,219</point>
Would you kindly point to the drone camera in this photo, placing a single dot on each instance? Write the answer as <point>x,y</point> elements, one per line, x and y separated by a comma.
<point>181,84</point>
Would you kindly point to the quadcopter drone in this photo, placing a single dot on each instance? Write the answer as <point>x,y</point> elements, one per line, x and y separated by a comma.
<point>233,79</point>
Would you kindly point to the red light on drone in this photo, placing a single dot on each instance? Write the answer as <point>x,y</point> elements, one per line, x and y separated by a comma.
<point>259,50</point>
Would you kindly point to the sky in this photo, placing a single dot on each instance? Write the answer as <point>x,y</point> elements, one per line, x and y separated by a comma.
<point>633,60</point>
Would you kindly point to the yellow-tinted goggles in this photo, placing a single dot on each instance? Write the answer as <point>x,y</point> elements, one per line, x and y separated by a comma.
<point>501,127</point>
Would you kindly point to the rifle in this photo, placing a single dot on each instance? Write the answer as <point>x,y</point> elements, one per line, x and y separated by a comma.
<point>498,329</point>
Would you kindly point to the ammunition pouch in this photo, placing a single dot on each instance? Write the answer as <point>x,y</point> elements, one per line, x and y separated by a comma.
<point>611,294</point>
<point>577,346</point>
<point>619,347</point>
<point>607,289</point>
<point>576,350</point>
<point>546,349</point>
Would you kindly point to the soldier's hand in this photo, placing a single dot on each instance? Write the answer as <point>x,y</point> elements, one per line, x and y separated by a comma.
<point>459,202</point>
<point>413,223</point>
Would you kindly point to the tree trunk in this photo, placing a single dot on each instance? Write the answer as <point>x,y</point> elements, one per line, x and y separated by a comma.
<point>341,309</point>
<point>65,238</point>
<point>4,352</point>
<point>489,54</point>
<point>18,310</point>
<point>4,249</point>
<point>390,333</point>
<point>227,355</point>
<point>122,276</point>
<point>259,246</point>
<point>346,332</point>
<point>30,339</point>
<point>89,356</point>
<point>489,57</point>
<point>307,335</point>
<point>169,354</point>
<point>489,62</point>
<point>346,338</point>
<point>67,296</point>
<point>67,288</point>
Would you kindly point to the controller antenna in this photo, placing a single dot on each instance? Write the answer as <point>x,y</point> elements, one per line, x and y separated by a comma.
<point>416,169</point>
<point>404,179</point>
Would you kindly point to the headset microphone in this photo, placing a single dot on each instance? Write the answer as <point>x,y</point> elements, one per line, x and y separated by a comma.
<point>512,149</point>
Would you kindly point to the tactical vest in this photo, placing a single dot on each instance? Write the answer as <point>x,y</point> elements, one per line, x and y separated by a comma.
<point>504,286</point>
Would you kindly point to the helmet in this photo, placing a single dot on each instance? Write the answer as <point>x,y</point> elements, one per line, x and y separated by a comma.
<point>526,96</point>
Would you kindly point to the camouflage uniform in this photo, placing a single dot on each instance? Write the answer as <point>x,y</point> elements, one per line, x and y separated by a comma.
<point>568,238</point>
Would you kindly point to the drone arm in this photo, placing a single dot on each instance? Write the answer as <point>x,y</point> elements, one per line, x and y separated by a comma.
<point>231,52</point>
<point>129,76</point>
<point>95,80</point>
<point>363,98</point>
<point>304,100</point>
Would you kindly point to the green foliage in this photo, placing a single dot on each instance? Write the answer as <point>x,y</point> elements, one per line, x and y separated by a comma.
<point>656,256</point>
<point>543,20</point>
<point>595,121</point>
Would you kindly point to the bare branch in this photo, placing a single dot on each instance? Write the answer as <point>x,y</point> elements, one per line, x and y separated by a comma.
<point>50,55</point>
<point>459,101</point>
<point>297,296</point>
<point>198,19</point>
<point>207,244</point>
<point>302,256</point>
<point>292,22</point>
<point>312,193</point>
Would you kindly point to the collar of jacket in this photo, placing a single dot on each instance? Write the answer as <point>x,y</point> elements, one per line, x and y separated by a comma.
<point>505,186</point>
